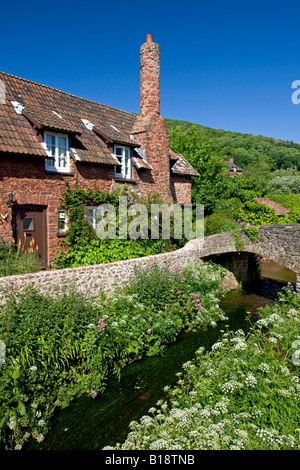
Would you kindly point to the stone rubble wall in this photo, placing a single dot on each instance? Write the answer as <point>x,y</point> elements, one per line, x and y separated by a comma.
<point>95,278</point>
<point>279,243</point>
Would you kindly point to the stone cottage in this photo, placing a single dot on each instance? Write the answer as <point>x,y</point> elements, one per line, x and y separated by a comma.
<point>49,137</point>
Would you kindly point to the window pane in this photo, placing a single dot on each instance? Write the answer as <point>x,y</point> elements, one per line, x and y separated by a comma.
<point>50,139</point>
<point>90,215</point>
<point>62,162</point>
<point>127,160</point>
<point>119,151</point>
<point>50,142</point>
<point>28,224</point>
<point>49,162</point>
<point>62,151</point>
<point>62,142</point>
<point>62,221</point>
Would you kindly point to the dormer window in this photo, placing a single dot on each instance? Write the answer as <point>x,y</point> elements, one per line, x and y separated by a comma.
<point>122,154</point>
<point>57,147</point>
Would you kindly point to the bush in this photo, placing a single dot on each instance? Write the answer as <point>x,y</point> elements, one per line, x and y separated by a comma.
<point>64,345</point>
<point>290,201</point>
<point>256,214</point>
<point>284,185</point>
<point>216,223</point>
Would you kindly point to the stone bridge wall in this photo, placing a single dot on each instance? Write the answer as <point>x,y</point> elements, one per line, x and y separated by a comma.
<point>279,243</point>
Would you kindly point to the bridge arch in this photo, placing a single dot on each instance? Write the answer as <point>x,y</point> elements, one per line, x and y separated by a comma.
<point>279,243</point>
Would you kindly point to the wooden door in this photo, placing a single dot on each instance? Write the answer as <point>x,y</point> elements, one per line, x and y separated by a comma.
<point>30,229</point>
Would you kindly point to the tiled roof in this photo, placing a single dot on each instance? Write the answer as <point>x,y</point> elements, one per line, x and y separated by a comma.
<point>44,105</point>
<point>49,120</point>
<point>139,160</point>
<point>279,209</point>
<point>232,165</point>
<point>181,165</point>
<point>29,105</point>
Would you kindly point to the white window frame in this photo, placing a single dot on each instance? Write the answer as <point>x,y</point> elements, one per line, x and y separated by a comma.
<point>56,168</point>
<point>65,212</point>
<point>123,173</point>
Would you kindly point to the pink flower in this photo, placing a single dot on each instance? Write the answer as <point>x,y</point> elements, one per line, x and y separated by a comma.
<point>94,394</point>
<point>149,330</point>
<point>142,342</point>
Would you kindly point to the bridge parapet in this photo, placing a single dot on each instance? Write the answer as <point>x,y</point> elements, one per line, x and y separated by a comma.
<point>279,243</point>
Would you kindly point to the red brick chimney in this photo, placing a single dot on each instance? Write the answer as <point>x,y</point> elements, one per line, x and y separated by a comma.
<point>150,78</point>
<point>150,130</point>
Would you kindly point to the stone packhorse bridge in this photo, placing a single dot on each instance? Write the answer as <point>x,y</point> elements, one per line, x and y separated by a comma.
<point>278,243</point>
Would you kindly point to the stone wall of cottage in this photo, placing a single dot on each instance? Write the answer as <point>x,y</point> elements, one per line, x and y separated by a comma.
<point>181,188</point>
<point>30,184</point>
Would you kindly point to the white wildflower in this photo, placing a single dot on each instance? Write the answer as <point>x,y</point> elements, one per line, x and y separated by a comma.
<point>264,367</point>
<point>218,345</point>
<point>12,424</point>
<point>262,322</point>
<point>159,444</point>
<point>250,380</point>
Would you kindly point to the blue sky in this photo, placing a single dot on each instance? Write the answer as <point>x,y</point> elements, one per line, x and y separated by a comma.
<point>224,64</point>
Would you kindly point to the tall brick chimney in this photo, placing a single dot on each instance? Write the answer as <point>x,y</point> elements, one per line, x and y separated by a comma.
<point>150,130</point>
<point>149,78</point>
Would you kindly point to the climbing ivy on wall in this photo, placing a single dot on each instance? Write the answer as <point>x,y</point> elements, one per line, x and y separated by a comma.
<point>82,246</point>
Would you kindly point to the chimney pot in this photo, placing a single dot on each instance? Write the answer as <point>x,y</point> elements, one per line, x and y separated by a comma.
<point>149,37</point>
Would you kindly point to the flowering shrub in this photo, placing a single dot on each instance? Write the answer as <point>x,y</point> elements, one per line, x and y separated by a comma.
<point>244,394</point>
<point>60,347</point>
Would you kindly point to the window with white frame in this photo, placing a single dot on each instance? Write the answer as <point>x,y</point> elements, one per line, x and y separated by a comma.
<point>62,220</point>
<point>123,156</point>
<point>90,215</point>
<point>57,147</point>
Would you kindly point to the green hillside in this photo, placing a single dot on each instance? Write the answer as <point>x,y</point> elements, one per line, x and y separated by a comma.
<point>244,148</point>
<point>271,168</point>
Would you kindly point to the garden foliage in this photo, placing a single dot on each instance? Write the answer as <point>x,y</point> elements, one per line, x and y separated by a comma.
<point>83,247</point>
<point>60,346</point>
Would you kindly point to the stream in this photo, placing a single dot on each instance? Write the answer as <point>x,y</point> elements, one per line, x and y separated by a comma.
<point>91,424</point>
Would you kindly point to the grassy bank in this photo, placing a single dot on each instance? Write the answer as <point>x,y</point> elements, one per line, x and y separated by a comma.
<point>244,394</point>
<point>60,347</point>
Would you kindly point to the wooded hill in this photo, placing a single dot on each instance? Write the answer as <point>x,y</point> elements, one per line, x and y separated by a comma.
<point>270,166</point>
<point>244,148</point>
